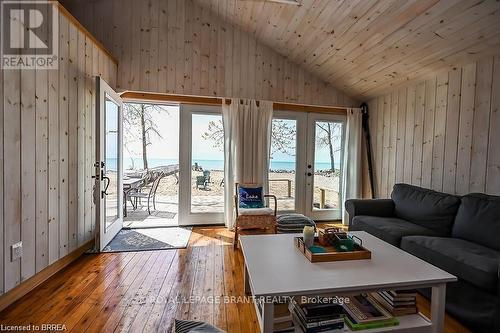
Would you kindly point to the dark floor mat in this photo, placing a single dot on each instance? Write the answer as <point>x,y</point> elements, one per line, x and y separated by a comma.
<point>150,239</point>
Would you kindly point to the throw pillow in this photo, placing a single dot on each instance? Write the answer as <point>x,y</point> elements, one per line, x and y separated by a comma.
<point>251,197</point>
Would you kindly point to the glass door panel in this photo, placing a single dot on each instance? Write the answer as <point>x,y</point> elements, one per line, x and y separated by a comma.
<point>151,153</point>
<point>108,166</point>
<point>327,165</point>
<point>201,164</point>
<point>207,163</point>
<point>111,114</point>
<point>324,168</point>
<point>283,163</point>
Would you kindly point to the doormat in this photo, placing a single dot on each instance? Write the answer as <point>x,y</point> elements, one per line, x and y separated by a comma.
<point>129,240</point>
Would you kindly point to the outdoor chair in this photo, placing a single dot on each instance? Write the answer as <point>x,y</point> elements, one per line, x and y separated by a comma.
<point>251,210</point>
<point>203,181</point>
<point>150,195</point>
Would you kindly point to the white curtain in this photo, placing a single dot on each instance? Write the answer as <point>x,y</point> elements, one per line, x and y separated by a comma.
<point>247,137</point>
<point>351,178</point>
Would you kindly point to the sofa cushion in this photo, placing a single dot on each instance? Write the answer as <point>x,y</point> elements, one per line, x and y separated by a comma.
<point>430,209</point>
<point>388,229</point>
<point>256,211</point>
<point>478,220</point>
<point>469,261</point>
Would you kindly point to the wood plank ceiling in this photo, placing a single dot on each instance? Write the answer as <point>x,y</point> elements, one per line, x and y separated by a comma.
<point>365,47</point>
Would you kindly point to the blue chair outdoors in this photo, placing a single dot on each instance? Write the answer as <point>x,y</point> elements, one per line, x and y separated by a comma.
<point>203,181</point>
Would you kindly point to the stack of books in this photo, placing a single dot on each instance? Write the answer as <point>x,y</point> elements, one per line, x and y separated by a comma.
<point>363,312</point>
<point>398,303</point>
<point>283,322</point>
<point>317,317</point>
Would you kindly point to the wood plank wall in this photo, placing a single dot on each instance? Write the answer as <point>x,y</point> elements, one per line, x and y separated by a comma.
<point>46,141</point>
<point>442,133</point>
<point>180,47</point>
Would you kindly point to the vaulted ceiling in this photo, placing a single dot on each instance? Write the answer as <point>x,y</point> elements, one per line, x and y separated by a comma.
<point>365,47</point>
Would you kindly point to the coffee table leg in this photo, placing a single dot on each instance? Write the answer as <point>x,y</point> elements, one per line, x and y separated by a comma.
<point>248,291</point>
<point>438,301</point>
<point>267,323</point>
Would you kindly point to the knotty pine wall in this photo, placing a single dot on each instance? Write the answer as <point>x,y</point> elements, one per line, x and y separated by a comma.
<point>47,153</point>
<point>442,133</point>
<point>177,46</point>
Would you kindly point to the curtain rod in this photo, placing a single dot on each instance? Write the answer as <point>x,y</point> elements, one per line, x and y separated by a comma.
<point>159,97</point>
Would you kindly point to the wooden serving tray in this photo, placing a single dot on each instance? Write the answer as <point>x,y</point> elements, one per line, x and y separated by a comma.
<point>331,253</point>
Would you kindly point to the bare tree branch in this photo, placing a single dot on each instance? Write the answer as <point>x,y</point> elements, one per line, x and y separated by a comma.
<point>139,125</point>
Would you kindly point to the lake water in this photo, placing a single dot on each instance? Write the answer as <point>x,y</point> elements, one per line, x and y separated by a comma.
<point>136,163</point>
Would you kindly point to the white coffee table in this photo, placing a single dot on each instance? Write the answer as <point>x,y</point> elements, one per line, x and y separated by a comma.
<point>274,267</point>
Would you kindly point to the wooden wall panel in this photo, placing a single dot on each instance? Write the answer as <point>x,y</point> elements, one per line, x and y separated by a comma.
<point>81,137</point>
<point>493,170</point>
<point>53,192</point>
<point>386,130</point>
<point>178,46</point>
<point>439,131</point>
<point>428,142</point>
<point>12,175</point>
<point>73,139</point>
<point>451,132</point>
<point>28,195</point>
<point>451,139</point>
<point>481,125</point>
<point>418,134</point>
<point>63,198</point>
<point>43,134</point>
<point>393,139</point>
<point>42,162</point>
<point>88,138</point>
<point>465,128</point>
<point>400,140</point>
<point>2,220</point>
<point>379,132</point>
<point>409,132</point>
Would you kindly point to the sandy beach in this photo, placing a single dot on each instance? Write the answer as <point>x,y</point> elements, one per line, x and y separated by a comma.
<point>279,187</point>
<point>326,185</point>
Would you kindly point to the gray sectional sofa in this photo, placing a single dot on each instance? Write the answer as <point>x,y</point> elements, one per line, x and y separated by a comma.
<point>459,234</point>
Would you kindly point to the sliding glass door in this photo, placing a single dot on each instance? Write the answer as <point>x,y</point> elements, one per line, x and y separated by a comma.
<point>201,179</point>
<point>305,169</point>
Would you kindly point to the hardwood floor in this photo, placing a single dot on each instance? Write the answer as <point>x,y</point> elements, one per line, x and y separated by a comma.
<point>145,291</point>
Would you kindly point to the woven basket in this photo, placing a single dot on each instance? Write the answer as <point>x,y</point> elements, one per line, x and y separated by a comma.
<point>327,237</point>
<point>256,221</point>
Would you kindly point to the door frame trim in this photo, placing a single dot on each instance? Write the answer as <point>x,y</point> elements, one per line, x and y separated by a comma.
<point>186,217</point>
<point>301,154</point>
<point>312,118</point>
<point>103,88</point>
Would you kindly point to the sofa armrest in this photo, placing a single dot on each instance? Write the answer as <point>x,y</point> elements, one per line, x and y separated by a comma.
<point>370,207</point>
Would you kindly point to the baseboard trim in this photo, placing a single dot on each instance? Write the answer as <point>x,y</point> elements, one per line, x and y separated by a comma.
<point>26,286</point>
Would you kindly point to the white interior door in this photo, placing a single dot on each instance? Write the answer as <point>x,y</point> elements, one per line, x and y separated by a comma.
<point>109,169</point>
<point>201,165</point>
<point>324,166</point>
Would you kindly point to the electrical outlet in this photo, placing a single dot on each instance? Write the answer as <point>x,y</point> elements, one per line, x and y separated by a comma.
<point>16,251</point>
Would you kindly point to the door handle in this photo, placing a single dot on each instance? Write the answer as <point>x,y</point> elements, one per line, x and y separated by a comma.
<point>107,185</point>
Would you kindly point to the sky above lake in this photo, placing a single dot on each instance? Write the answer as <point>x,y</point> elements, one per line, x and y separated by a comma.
<point>167,147</point>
